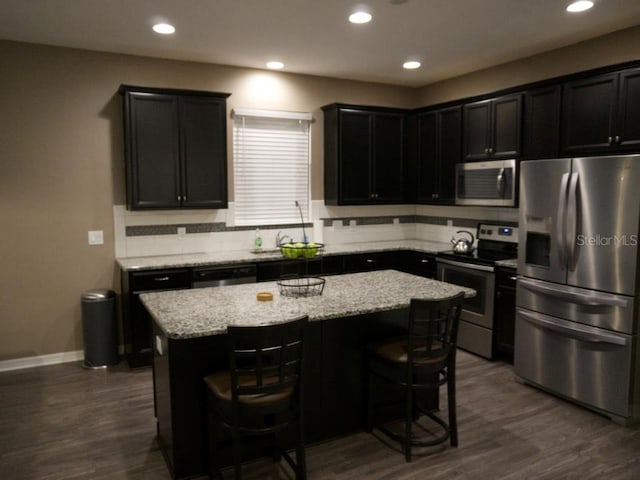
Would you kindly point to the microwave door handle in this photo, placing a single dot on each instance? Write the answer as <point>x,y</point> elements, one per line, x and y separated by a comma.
<point>561,224</point>
<point>500,183</point>
<point>572,221</point>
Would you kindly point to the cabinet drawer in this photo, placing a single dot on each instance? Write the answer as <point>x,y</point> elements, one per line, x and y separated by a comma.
<point>159,280</point>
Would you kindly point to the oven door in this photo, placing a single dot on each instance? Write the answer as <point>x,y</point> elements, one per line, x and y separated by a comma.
<point>476,319</point>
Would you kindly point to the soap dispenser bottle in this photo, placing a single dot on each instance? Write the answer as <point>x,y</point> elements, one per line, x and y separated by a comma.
<point>257,243</point>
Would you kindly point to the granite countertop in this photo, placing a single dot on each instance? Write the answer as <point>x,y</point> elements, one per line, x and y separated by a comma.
<point>201,312</point>
<point>240,256</point>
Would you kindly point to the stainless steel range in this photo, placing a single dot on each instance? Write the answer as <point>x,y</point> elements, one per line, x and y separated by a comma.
<point>477,270</point>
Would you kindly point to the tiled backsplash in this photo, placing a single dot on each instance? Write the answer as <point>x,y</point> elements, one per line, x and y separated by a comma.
<point>175,232</point>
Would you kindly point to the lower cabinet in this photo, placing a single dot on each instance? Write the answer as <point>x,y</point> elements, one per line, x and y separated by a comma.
<point>136,322</point>
<point>505,313</point>
<point>335,386</point>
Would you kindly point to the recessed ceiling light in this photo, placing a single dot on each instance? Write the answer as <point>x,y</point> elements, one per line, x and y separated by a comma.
<point>164,28</point>
<point>275,65</point>
<point>411,65</point>
<point>579,6</point>
<point>360,17</point>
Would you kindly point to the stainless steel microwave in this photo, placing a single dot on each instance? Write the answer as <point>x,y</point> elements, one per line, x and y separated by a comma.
<point>491,183</point>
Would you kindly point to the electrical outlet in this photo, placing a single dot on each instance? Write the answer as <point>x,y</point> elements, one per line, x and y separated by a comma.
<point>96,237</point>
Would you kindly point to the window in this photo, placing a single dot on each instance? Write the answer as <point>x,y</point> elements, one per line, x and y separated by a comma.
<point>271,166</point>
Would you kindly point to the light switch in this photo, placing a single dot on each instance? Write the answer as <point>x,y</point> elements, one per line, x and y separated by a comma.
<point>96,237</point>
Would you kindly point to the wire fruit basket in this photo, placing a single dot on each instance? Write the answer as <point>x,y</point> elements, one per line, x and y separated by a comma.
<point>298,250</point>
<point>301,286</point>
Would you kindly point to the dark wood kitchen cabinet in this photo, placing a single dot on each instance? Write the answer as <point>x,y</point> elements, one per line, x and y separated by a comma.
<point>364,155</point>
<point>492,128</point>
<point>541,132</point>
<point>439,148</point>
<point>601,115</point>
<point>175,148</point>
<point>136,322</point>
<point>505,313</point>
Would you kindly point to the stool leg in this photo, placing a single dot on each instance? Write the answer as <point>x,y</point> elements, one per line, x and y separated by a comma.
<point>408,422</point>
<point>369,425</point>
<point>301,459</point>
<point>451,397</point>
<point>237,458</point>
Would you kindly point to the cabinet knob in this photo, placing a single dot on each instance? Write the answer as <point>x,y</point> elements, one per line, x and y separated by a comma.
<point>617,139</point>
<point>437,196</point>
<point>486,150</point>
<point>610,139</point>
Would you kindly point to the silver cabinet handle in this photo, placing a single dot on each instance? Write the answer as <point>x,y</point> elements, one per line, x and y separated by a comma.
<point>370,260</point>
<point>161,279</point>
<point>424,260</point>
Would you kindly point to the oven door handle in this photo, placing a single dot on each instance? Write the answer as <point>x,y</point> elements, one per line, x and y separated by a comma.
<point>472,266</point>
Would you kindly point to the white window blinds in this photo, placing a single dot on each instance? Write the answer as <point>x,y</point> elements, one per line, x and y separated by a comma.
<point>271,166</point>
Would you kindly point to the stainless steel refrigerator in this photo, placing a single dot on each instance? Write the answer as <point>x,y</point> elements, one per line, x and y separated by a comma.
<point>577,288</point>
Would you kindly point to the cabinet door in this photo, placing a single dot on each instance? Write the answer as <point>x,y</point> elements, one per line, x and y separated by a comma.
<point>476,130</point>
<point>541,123</point>
<point>506,127</point>
<point>439,149</point>
<point>428,158</point>
<point>203,152</point>
<point>588,114</point>
<point>388,154</point>
<point>355,156</point>
<point>627,133</point>
<point>450,146</point>
<point>152,151</point>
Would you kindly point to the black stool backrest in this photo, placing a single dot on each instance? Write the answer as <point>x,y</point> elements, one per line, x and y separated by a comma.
<point>266,360</point>
<point>433,332</point>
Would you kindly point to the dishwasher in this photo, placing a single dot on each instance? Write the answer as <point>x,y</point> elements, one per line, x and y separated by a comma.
<point>217,276</point>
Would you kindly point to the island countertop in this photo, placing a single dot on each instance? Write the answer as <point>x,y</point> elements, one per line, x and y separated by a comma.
<point>201,312</point>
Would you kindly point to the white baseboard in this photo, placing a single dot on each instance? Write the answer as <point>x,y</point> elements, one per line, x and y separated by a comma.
<point>41,360</point>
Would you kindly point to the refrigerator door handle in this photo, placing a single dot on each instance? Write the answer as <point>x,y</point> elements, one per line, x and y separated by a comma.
<point>593,300</point>
<point>561,224</point>
<point>578,332</point>
<point>572,221</point>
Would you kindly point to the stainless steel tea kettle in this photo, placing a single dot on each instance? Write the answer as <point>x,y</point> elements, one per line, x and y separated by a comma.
<point>463,245</point>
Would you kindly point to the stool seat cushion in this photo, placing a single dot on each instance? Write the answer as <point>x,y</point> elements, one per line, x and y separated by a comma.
<point>219,383</point>
<point>396,351</point>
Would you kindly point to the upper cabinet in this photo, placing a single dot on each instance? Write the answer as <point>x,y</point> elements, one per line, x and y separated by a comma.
<point>439,148</point>
<point>492,128</point>
<point>364,155</point>
<point>175,148</point>
<point>541,133</point>
<point>600,114</point>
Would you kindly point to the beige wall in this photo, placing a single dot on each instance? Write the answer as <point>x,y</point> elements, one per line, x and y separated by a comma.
<point>61,159</point>
<point>618,47</point>
<point>62,170</point>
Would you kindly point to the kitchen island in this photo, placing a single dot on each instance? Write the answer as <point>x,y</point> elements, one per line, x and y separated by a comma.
<point>189,342</point>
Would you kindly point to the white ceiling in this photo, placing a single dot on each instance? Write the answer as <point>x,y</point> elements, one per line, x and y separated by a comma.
<point>449,37</point>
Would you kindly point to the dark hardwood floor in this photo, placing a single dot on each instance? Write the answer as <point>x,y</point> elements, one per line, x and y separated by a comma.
<point>64,422</point>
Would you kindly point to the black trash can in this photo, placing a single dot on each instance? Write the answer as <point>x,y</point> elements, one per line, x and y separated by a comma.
<point>99,328</point>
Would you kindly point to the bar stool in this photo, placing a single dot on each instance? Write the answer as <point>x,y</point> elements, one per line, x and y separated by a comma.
<point>261,393</point>
<point>424,359</point>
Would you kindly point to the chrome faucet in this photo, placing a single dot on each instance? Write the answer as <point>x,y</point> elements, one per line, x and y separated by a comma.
<point>280,239</point>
